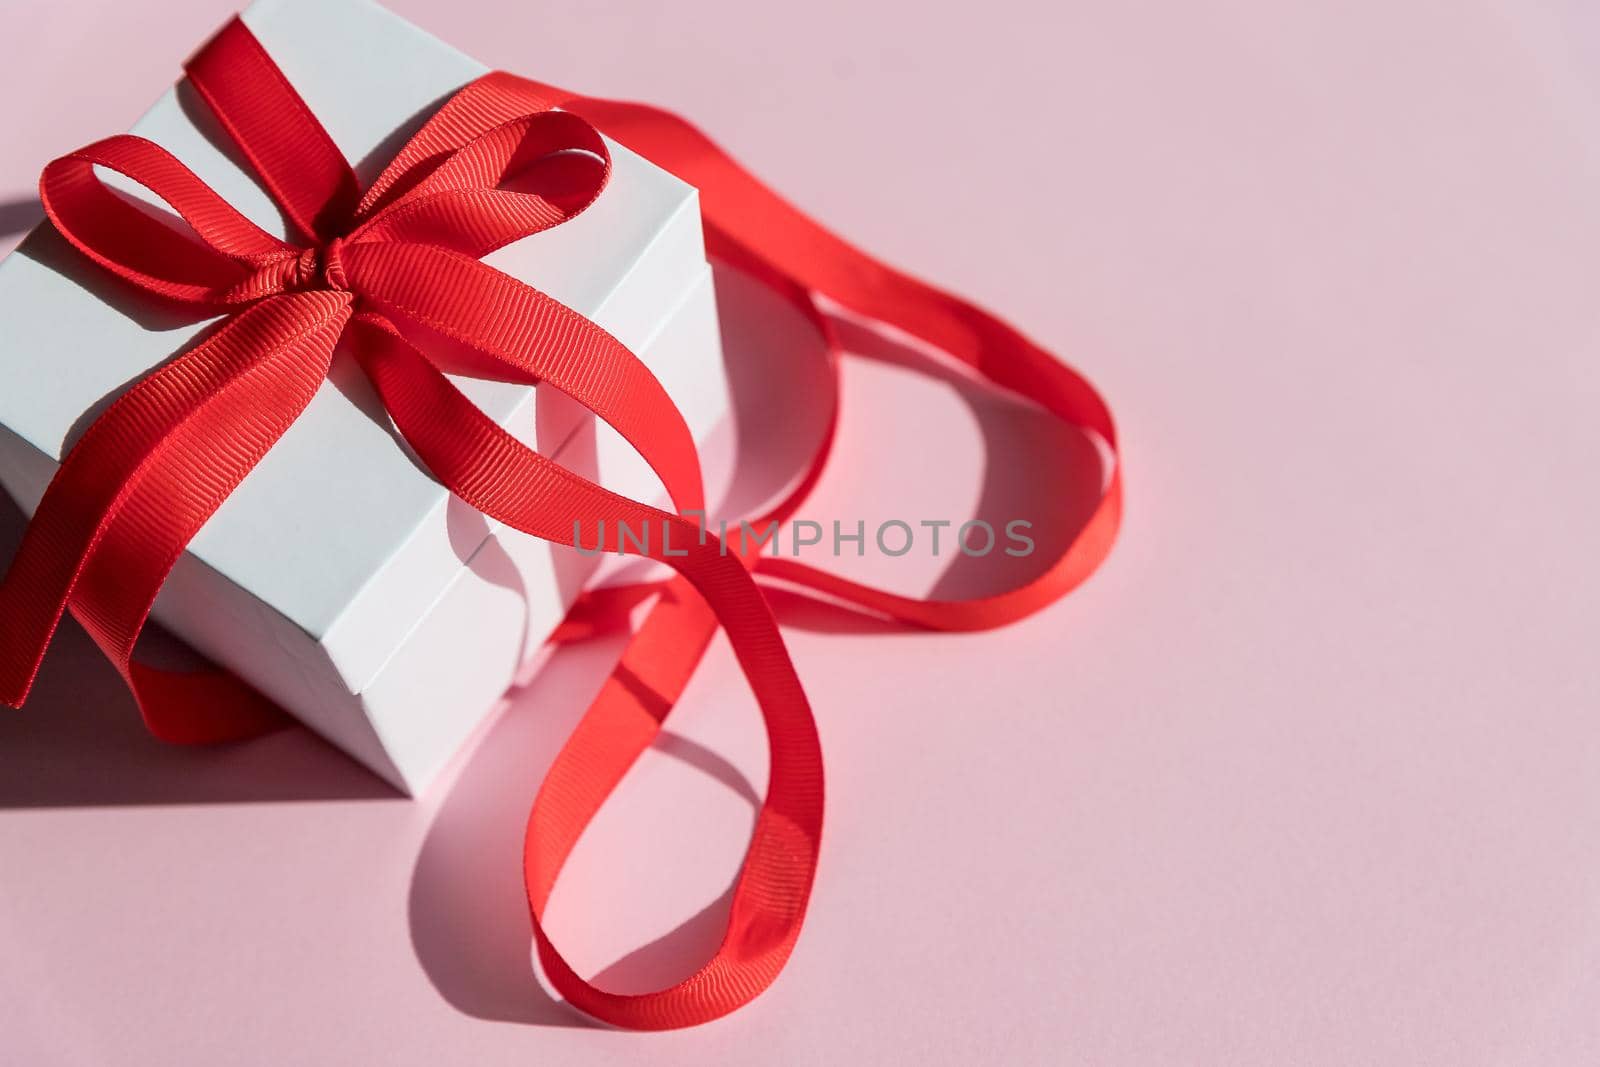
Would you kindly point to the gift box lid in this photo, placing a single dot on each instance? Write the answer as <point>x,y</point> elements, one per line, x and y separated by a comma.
<point>338,529</point>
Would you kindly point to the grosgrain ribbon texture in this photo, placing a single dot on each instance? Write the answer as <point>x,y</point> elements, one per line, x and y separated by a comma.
<point>503,159</point>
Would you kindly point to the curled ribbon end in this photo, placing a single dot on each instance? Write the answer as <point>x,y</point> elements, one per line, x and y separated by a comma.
<point>15,695</point>
<point>16,673</point>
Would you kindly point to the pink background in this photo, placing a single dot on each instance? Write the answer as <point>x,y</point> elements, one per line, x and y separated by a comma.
<point>1307,774</point>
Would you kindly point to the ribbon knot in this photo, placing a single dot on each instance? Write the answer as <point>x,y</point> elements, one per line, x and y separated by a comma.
<point>321,267</point>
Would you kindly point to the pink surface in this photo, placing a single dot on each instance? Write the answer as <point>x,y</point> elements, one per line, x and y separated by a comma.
<point>1306,775</point>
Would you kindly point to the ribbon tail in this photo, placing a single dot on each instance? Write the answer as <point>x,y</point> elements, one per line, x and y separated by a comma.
<point>749,224</point>
<point>138,486</point>
<point>609,608</point>
<point>527,336</point>
<point>504,479</point>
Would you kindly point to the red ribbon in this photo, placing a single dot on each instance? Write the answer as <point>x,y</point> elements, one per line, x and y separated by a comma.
<point>148,472</point>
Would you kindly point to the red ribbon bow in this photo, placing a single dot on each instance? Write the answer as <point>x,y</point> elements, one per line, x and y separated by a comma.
<point>495,164</point>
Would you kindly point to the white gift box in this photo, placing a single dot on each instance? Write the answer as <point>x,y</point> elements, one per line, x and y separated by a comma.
<point>339,579</point>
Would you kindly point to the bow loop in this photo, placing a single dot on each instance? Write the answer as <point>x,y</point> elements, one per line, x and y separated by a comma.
<point>479,106</point>
<point>516,179</point>
<point>211,264</point>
